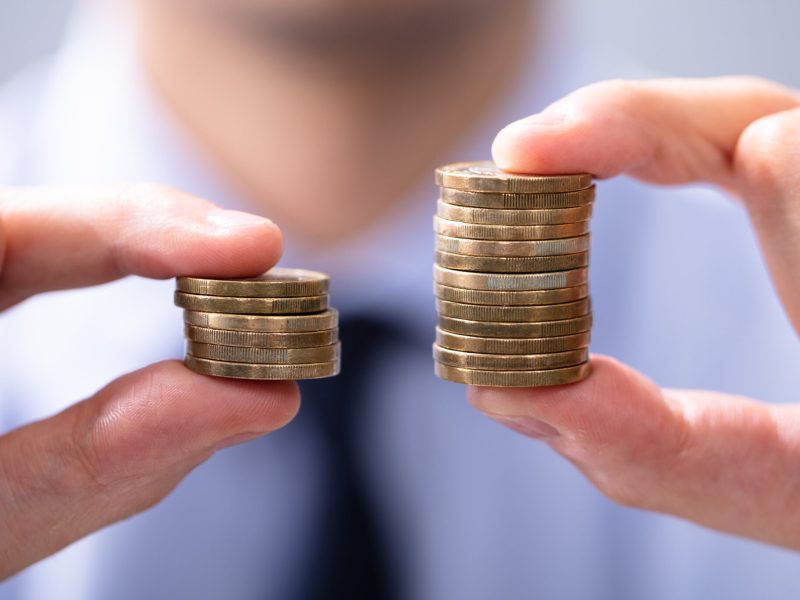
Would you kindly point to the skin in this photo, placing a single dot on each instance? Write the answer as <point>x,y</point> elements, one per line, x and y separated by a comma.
<point>269,114</point>
<point>721,461</point>
<point>126,447</point>
<point>326,138</point>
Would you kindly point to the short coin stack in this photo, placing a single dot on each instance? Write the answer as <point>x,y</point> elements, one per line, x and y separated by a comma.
<point>511,276</point>
<point>275,326</point>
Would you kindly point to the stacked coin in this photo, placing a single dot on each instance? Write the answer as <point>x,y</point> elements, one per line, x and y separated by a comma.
<point>275,326</point>
<point>511,276</point>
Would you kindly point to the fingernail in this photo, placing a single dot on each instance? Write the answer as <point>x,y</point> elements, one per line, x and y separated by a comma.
<point>545,120</point>
<point>235,219</point>
<point>237,439</point>
<point>528,426</point>
<point>506,146</point>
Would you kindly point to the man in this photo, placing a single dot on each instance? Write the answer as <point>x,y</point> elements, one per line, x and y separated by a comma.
<point>325,118</point>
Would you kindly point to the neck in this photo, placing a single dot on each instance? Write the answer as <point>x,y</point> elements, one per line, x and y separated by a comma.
<point>321,143</point>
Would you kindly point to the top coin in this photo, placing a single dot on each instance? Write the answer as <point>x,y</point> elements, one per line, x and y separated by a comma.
<point>275,283</point>
<point>485,176</point>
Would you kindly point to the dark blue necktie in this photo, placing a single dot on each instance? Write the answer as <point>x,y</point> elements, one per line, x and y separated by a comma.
<point>350,560</point>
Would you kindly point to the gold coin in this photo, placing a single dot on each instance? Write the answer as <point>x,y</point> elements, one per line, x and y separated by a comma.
<point>281,356</point>
<point>485,176</point>
<point>512,264</point>
<point>514,378</point>
<point>518,201</point>
<point>235,370</point>
<point>275,283</point>
<point>256,339</point>
<point>487,345</point>
<point>530,298</point>
<point>264,323</point>
<point>494,216</point>
<point>508,232</point>
<point>513,314</point>
<point>252,306</point>
<point>508,282</point>
<point>524,248</point>
<point>509,362</point>
<point>516,330</point>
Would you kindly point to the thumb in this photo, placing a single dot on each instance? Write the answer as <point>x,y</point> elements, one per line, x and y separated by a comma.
<point>767,162</point>
<point>722,461</point>
<point>122,451</point>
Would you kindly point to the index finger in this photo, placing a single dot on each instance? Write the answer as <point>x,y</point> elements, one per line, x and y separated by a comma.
<point>661,131</point>
<point>57,238</point>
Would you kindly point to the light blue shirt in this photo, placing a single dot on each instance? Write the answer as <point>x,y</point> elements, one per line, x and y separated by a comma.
<point>470,509</point>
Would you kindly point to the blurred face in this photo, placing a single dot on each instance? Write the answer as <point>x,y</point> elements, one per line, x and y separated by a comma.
<point>321,26</point>
<point>353,9</point>
<point>371,93</point>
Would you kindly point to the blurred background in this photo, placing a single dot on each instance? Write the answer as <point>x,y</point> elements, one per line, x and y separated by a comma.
<point>675,37</point>
<point>682,37</point>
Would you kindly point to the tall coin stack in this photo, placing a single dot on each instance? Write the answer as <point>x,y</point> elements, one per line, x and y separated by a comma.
<point>511,277</point>
<point>275,326</point>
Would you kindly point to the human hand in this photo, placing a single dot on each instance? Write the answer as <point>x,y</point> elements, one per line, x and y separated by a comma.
<point>129,445</point>
<point>723,461</point>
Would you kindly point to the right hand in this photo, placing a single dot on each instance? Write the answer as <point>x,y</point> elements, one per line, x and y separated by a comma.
<point>717,459</point>
<point>128,446</point>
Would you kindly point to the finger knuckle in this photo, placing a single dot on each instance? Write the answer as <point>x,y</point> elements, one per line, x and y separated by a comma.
<point>89,463</point>
<point>109,436</point>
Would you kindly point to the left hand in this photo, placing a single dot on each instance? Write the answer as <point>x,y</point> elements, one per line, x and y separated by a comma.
<point>723,461</point>
<point>122,450</point>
